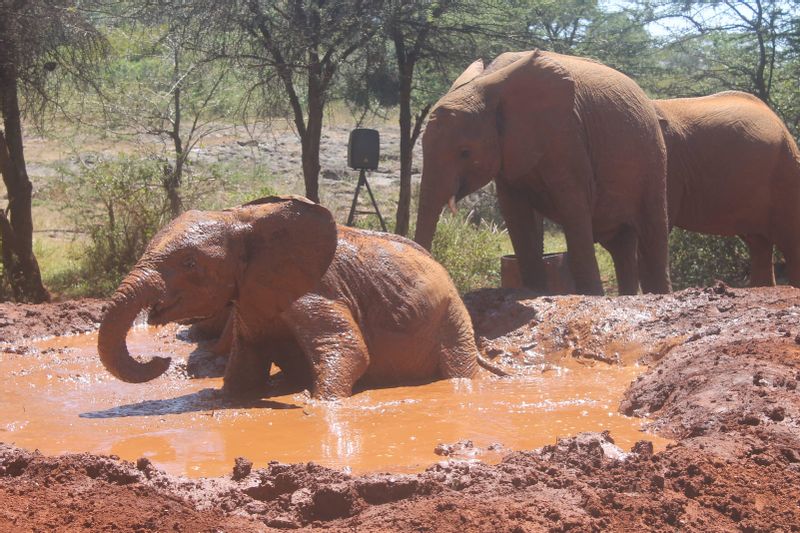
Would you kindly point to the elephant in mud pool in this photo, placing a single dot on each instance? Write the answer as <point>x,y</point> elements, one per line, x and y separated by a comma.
<point>331,306</point>
<point>563,136</point>
<point>734,169</point>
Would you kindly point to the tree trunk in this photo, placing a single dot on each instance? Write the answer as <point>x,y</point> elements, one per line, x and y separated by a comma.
<point>16,224</point>
<point>406,152</point>
<point>173,178</point>
<point>311,142</point>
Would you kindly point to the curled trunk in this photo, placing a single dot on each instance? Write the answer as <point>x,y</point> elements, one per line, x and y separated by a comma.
<point>137,292</point>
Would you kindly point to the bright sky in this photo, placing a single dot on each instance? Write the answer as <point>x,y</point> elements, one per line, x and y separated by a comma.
<point>715,15</point>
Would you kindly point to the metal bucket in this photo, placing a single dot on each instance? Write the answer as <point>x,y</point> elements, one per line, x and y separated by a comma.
<point>558,278</point>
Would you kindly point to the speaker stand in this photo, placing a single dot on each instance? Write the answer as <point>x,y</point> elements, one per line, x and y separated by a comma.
<point>362,181</point>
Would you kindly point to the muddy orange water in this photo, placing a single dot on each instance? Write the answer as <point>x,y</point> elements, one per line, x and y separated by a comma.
<point>58,398</point>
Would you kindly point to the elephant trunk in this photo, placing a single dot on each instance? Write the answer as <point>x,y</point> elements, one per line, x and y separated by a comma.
<point>427,218</point>
<point>140,289</point>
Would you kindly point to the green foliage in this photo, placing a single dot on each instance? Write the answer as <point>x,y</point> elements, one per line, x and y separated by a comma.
<point>697,260</point>
<point>470,253</point>
<point>119,204</point>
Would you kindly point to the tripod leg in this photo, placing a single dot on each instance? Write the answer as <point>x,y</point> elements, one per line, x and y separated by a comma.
<point>361,179</point>
<point>375,204</point>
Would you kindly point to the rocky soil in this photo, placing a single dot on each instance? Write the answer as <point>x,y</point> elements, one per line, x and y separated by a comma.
<point>724,365</point>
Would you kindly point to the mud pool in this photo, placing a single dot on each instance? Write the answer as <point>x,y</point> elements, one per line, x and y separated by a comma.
<point>58,398</point>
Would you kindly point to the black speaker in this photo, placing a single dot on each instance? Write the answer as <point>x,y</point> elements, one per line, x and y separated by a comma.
<point>363,149</point>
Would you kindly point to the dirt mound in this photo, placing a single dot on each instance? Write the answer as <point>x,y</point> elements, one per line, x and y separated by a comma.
<point>724,367</point>
<point>20,323</point>
<point>584,483</point>
<point>90,493</point>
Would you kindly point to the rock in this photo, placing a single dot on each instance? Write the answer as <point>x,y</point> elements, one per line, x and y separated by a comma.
<point>387,489</point>
<point>333,501</point>
<point>241,468</point>
<point>643,447</point>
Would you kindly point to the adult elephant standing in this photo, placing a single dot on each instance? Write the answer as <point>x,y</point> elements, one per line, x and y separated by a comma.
<point>734,169</point>
<point>570,138</point>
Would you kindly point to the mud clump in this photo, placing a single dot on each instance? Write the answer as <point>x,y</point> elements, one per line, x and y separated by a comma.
<point>722,382</point>
<point>241,468</point>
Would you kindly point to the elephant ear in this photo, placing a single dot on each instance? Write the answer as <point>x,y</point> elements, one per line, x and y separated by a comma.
<point>472,72</point>
<point>534,100</point>
<point>667,128</point>
<point>289,242</point>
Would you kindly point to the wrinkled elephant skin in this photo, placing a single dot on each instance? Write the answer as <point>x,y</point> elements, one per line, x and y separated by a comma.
<point>562,136</point>
<point>331,306</point>
<point>734,169</point>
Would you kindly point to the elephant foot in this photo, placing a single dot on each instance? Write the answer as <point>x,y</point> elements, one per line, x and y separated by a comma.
<point>245,384</point>
<point>239,390</point>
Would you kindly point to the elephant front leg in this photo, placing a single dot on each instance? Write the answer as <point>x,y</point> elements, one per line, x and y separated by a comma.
<point>567,176</point>
<point>248,368</point>
<point>224,343</point>
<point>333,343</point>
<point>524,225</point>
<point>762,273</point>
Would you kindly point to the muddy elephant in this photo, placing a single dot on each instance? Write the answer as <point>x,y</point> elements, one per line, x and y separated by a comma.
<point>568,137</point>
<point>331,306</point>
<point>734,169</point>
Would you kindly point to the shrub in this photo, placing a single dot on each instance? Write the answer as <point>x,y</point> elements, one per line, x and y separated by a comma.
<point>697,260</point>
<point>119,204</point>
<point>470,253</point>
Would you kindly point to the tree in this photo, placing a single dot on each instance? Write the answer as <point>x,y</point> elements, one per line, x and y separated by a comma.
<point>737,44</point>
<point>162,87</point>
<point>41,43</point>
<point>419,31</point>
<point>557,25</point>
<point>581,27</point>
<point>297,46</point>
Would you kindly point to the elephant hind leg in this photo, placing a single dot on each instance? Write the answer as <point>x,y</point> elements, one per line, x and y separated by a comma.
<point>762,273</point>
<point>653,256</point>
<point>623,251</point>
<point>457,352</point>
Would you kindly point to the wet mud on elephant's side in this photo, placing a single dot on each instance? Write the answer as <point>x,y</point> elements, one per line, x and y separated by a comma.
<point>332,305</point>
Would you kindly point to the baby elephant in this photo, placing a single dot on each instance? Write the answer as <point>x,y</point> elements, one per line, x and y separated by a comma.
<point>331,305</point>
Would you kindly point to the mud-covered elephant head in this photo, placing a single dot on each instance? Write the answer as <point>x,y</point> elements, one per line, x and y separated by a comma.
<point>492,122</point>
<point>277,247</point>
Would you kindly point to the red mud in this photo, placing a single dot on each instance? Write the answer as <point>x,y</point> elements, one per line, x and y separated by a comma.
<point>722,382</point>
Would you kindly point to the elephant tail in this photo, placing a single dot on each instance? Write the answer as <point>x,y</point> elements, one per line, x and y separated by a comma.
<point>491,367</point>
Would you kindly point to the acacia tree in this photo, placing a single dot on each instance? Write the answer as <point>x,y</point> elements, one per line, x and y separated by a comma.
<point>735,44</point>
<point>556,25</point>
<point>297,46</point>
<point>163,88</point>
<point>41,43</point>
<point>419,31</point>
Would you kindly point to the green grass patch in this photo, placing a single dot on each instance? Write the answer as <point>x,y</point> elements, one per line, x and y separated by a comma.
<point>470,253</point>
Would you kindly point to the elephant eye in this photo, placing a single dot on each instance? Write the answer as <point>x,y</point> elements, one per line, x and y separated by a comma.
<point>189,263</point>
<point>465,153</point>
